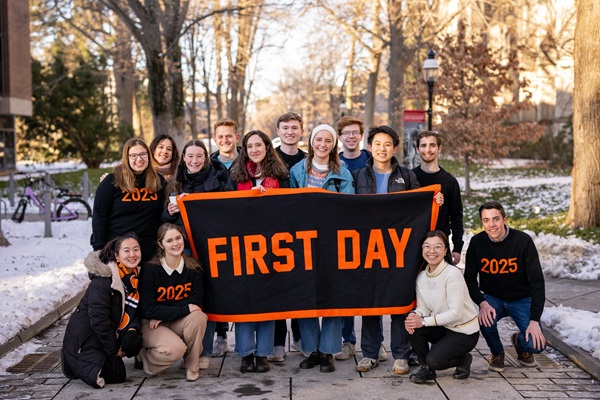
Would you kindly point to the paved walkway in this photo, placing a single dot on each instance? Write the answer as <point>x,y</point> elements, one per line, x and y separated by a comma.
<point>557,377</point>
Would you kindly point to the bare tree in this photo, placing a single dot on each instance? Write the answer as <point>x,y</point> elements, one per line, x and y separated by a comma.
<point>584,210</point>
<point>475,124</point>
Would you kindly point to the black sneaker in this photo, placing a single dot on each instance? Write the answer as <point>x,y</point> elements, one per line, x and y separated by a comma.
<point>262,364</point>
<point>138,363</point>
<point>327,364</point>
<point>248,364</point>
<point>463,370</point>
<point>311,361</point>
<point>423,375</point>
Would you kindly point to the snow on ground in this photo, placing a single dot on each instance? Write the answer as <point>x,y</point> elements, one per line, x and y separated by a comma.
<point>37,274</point>
<point>576,327</point>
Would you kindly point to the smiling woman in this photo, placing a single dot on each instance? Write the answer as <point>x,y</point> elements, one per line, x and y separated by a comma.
<point>171,294</point>
<point>91,350</point>
<point>130,199</point>
<point>165,155</point>
<point>445,315</point>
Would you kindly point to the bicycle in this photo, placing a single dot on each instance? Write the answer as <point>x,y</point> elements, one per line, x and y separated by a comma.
<point>66,206</point>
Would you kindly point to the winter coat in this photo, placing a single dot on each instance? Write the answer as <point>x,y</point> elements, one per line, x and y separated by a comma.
<point>212,179</point>
<point>90,336</point>
<point>401,179</point>
<point>341,183</point>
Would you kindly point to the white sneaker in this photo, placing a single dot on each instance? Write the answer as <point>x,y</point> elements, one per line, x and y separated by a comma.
<point>220,347</point>
<point>382,353</point>
<point>401,367</point>
<point>367,364</point>
<point>298,347</point>
<point>278,354</point>
<point>204,362</point>
<point>348,350</point>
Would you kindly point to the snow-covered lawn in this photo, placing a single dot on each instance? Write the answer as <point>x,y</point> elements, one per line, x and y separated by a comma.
<point>37,274</point>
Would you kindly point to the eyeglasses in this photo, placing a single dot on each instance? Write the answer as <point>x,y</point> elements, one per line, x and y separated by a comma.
<point>351,133</point>
<point>437,248</point>
<point>134,156</point>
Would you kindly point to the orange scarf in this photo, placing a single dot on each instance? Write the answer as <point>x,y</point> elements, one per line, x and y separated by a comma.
<point>132,296</point>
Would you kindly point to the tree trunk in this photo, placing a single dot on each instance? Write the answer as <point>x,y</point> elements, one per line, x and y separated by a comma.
<point>466,163</point>
<point>349,90</point>
<point>177,99</point>
<point>396,71</point>
<point>124,74</point>
<point>157,89</point>
<point>371,94</point>
<point>584,210</point>
<point>219,37</point>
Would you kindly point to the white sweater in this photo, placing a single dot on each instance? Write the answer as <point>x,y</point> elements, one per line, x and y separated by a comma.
<point>443,300</point>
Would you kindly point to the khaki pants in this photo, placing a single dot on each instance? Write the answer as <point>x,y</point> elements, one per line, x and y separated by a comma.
<point>169,342</point>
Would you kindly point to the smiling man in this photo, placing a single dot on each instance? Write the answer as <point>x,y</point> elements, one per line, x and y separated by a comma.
<point>226,138</point>
<point>290,131</point>
<point>350,134</point>
<point>511,284</point>
<point>383,174</point>
<point>450,217</point>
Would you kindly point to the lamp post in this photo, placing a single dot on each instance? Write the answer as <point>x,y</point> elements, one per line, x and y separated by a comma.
<point>431,75</point>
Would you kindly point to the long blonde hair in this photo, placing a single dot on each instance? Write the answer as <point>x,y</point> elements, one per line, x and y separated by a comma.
<point>190,262</point>
<point>124,175</point>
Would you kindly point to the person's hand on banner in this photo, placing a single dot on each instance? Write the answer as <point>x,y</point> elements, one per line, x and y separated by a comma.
<point>260,187</point>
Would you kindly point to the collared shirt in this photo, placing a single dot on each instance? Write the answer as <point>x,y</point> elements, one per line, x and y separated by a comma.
<point>504,237</point>
<point>170,270</point>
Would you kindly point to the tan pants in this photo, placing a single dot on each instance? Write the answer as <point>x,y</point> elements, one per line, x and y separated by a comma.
<point>170,341</point>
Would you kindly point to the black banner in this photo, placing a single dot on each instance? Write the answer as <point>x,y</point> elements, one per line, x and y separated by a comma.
<point>297,253</point>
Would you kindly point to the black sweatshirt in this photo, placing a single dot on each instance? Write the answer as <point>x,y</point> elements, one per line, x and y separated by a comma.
<point>509,270</point>
<point>450,217</point>
<point>166,297</point>
<point>117,212</point>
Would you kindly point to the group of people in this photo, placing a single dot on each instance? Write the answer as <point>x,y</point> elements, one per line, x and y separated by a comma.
<point>158,318</point>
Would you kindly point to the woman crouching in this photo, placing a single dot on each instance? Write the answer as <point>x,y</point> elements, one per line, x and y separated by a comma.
<point>445,315</point>
<point>105,326</point>
<point>171,288</point>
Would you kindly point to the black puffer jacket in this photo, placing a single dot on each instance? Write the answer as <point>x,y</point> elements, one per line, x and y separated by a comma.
<point>212,179</point>
<point>401,179</point>
<point>90,336</point>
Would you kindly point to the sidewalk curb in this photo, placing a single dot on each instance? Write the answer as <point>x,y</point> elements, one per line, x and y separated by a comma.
<point>41,325</point>
<point>581,358</point>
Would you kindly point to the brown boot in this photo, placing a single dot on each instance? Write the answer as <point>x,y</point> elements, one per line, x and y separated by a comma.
<point>496,362</point>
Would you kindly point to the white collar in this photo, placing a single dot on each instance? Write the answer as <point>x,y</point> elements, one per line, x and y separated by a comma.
<point>170,270</point>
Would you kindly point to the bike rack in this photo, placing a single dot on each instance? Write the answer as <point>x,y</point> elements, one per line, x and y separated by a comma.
<point>3,241</point>
<point>2,216</point>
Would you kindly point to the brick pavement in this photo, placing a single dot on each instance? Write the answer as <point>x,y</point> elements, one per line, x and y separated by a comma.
<point>555,378</point>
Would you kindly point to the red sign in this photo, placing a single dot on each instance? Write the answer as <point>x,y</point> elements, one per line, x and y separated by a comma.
<point>414,116</point>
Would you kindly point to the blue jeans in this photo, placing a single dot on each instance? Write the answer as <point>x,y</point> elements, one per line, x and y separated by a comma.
<point>372,336</point>
<point>348,334</point>
<point>519,311</point>
<point>326,339</point>
<point>245,342</point>
<point>207,341</point>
